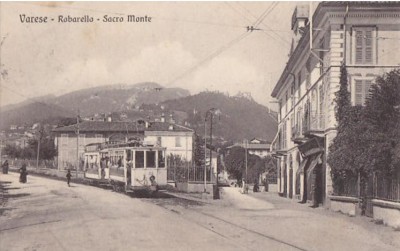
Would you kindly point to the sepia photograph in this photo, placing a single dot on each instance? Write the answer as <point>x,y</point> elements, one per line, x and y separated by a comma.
<point>200,125</point>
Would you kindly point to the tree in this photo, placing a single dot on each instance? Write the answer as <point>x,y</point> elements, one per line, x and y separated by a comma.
<point>12,151</point>
<point>346,151</point>
<point>342,98</point>
<point>235,162</point>
<point>382,114</point>
<point>47,149</point>
<point>367,138</point>
<point>198,151</point>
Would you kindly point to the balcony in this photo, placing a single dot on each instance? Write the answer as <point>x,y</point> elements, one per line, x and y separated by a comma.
<point>297,135</point>
<point>313,124</point>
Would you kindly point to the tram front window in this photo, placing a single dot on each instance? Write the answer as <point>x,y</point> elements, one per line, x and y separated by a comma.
<point>139,159</point>
<point>151,159</point>
<point>161,159</point>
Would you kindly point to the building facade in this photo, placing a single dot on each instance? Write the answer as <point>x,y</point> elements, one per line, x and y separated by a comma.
<point>71,140</point>
<point>364,36</point>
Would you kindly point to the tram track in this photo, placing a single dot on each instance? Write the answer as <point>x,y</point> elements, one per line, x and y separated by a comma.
<point>160,195</point>
<point>219,229</point>
<point>222,226</point>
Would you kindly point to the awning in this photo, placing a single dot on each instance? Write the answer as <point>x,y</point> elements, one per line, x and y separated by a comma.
<point>314,163</point>
<point>313,146</point>
<point>302,165</point>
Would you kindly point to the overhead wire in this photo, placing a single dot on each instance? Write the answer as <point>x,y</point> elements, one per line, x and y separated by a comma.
<point>209,57</point>
<point>263,24</point>
<point>265,14</point>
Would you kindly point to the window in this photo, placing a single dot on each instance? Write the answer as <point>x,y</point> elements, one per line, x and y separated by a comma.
<point>139,159</point>
<point>151,159</point>
<point>299,83</point>
<point>286,102</point>
<point>178,142</point>
<point>293,94</point>
<point>159,141</point>
<point>361,90</point>
<point>161,159</point>
<point>363,45</point>
<point>321,106</point>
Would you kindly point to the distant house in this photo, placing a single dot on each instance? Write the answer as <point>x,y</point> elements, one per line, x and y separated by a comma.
<point>177,139</point>
<point>255,146</point>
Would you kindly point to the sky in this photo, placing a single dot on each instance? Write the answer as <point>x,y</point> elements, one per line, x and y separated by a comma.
<point>198,46</point>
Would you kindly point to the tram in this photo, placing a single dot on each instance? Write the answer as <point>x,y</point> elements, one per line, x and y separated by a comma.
<point>129,166</point>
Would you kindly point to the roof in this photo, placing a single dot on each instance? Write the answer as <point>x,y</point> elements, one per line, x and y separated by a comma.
<point>102,126</point>
<point>165,126</point>
<point>118,126</point>
<point>252,146</point>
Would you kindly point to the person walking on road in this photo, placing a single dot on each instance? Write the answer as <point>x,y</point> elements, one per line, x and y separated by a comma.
<point>68,176</point>
<point>5,167</point>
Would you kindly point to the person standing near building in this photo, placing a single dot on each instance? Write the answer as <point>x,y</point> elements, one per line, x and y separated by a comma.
<point>68,176</point>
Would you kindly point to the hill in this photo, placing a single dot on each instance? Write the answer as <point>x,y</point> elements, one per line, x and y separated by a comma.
<point>103,99</point>
<point>240,117</point>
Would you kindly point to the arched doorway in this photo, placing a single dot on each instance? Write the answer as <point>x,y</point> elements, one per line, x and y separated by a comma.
<point>284,177</point>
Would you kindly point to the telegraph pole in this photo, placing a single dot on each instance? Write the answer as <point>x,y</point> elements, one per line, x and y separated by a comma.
<point>205,153</point>
<point>77,144</point>
<point>245,149</point>
<point>38,146</point>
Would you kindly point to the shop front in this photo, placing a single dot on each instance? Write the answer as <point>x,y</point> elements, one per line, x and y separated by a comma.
<point>311,172</point>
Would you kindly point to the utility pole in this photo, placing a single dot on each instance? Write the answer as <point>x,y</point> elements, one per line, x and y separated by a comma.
<point>245,154</point>
<point>205,153</point>
<point>38,146</point>
<point>77,144</point>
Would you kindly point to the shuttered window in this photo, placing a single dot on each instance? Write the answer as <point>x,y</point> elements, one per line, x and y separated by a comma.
<point>361,88</point>
<point>364,45</point>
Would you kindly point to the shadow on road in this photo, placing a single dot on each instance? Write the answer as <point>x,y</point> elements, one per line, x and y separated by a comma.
<point>5,196</point>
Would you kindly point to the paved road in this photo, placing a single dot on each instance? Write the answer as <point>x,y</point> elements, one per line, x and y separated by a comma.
<point>47,215</point>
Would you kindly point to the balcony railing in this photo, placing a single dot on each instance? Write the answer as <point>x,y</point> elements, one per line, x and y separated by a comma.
<point>313,124</point>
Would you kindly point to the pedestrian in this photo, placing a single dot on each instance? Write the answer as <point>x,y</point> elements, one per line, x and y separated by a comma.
<point>68,176</point>
<point>23,173</point>
<point>256,188</point>
<point>266,184</point>
<point>5,167</point>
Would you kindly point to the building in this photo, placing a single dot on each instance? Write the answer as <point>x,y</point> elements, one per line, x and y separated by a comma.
<point>255,146</point>
<point>364,36</point>
<point>178,140</point>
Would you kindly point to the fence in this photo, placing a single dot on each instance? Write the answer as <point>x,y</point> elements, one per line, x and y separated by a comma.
<point>387,188</point>
<point>50,164</point>
<point>347,187</point>
<point>384,188</point>
<point>189,173</point>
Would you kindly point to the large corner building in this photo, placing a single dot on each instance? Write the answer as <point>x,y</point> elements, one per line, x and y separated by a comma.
<point>365,36</point>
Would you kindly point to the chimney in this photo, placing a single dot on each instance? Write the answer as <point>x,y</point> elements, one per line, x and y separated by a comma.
<point>299,20</point>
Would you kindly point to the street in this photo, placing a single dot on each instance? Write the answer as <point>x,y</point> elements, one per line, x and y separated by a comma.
<point>46,214</point>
